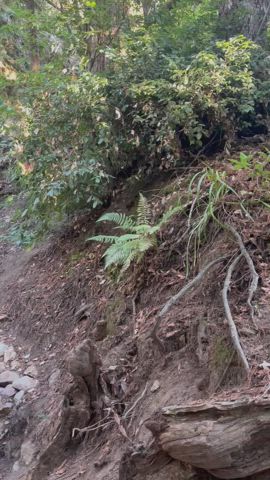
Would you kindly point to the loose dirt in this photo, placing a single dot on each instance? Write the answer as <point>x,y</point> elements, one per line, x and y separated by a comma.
<point>43,290</point>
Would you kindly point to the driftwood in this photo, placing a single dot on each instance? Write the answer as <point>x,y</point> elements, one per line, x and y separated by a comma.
<point>230,440</point>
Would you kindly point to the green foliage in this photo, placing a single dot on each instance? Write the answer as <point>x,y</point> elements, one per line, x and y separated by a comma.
<point>140,235</point>
<point>93,90</point>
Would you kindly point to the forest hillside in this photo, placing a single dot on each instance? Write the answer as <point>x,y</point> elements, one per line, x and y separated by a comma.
<point>134,239</point>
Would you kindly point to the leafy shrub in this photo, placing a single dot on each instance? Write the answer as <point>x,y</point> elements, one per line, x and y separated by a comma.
<point>212,98</point>
<point>66,150</point>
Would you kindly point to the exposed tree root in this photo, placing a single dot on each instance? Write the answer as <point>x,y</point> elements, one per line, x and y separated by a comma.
<point>175,299</point>
<point>232,326</point>
<point>254,275</point>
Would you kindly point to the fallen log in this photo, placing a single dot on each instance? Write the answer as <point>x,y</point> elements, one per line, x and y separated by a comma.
<point>230,440</point>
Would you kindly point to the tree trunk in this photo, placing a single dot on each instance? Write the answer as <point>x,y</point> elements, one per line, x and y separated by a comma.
<point>230,440</point>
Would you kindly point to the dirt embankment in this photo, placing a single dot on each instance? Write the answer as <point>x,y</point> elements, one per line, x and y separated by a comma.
<point>102,380</point>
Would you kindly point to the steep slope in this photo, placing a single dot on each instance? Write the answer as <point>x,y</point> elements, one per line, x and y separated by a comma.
<point>103,375</point>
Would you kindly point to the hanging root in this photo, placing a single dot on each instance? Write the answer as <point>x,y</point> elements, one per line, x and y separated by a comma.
<point>176,298</point>
<point>254,275</point>
<point>232,327</point>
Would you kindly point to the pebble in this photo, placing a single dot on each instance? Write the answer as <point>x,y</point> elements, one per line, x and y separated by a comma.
<point>7,377</point>
<point>9,355</point>
<point>28,451</point>
<point>3,348</point>
<point>155,386</point>
<point>16,466</point>
<point>8,391</point>
<point>18,397</point>
<point>31,371</point>
<point>15,365</point>
<point>54,377</point>
<point>5,408</point>
<point>25,383</point>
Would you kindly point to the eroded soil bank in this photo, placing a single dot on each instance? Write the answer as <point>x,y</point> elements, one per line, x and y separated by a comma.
<point>99,387</point>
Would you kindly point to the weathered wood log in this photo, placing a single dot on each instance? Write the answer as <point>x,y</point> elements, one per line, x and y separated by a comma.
<point>230,440</point>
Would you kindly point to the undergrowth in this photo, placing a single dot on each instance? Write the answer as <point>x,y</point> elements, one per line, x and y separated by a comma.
<point>212,198</point>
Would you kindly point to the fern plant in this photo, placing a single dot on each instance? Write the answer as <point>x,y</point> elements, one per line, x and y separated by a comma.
<point>139,237</point>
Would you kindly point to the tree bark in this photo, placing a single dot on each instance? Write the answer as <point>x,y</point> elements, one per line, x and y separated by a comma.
<point>230,440</point>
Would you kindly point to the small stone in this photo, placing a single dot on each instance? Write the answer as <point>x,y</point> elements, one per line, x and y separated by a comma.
<point>15,365</point>
<point>18,397</point>
<point>7,377</point>
<point>8,391</point>
<point>5,408</point>
<point>155,386</point>
<point>3,348</point>
<point>28,451</point>
<point>24,383</point>
<point>16,466</point>
<point>101,330</point>
<point>3,318</point>
<point>31,371</point>
<point>9,355</point>
<point>54,377</point>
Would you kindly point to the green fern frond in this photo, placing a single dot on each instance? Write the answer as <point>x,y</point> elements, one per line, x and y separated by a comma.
<point>143,211</point>
<point>103,239</point>
<point>126,237</point>
<point>122,220</point>
<point>169,214</point>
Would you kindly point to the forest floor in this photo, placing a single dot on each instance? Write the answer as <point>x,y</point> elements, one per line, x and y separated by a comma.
<point>43,292</point>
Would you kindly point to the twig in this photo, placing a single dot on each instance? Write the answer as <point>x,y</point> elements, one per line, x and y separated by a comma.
<point>173,300</point>
<point>232,326</point>
<point>254,275</point>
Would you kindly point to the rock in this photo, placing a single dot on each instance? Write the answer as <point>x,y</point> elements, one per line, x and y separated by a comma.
<point>3,429</point>
<point>2,367</point>
<point>3,348</point>
<point>31,371</point>
<point>3,318</point>
<point>5,408</point>
<point>24,383</point>
<point>16,466</point>
<point>28,452</point>
<point>54,377</point>
<point>8,391</point>
<point>101,330</point>
<point>18,397</point>
<point>7,377</point>
<point>155,386</point>
<point>15,365</point>
<point>9,355</point>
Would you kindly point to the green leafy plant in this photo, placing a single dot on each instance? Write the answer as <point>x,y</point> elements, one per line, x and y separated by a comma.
<point>208,190</point>
<point>243,163</point>
<point>140,235</point>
